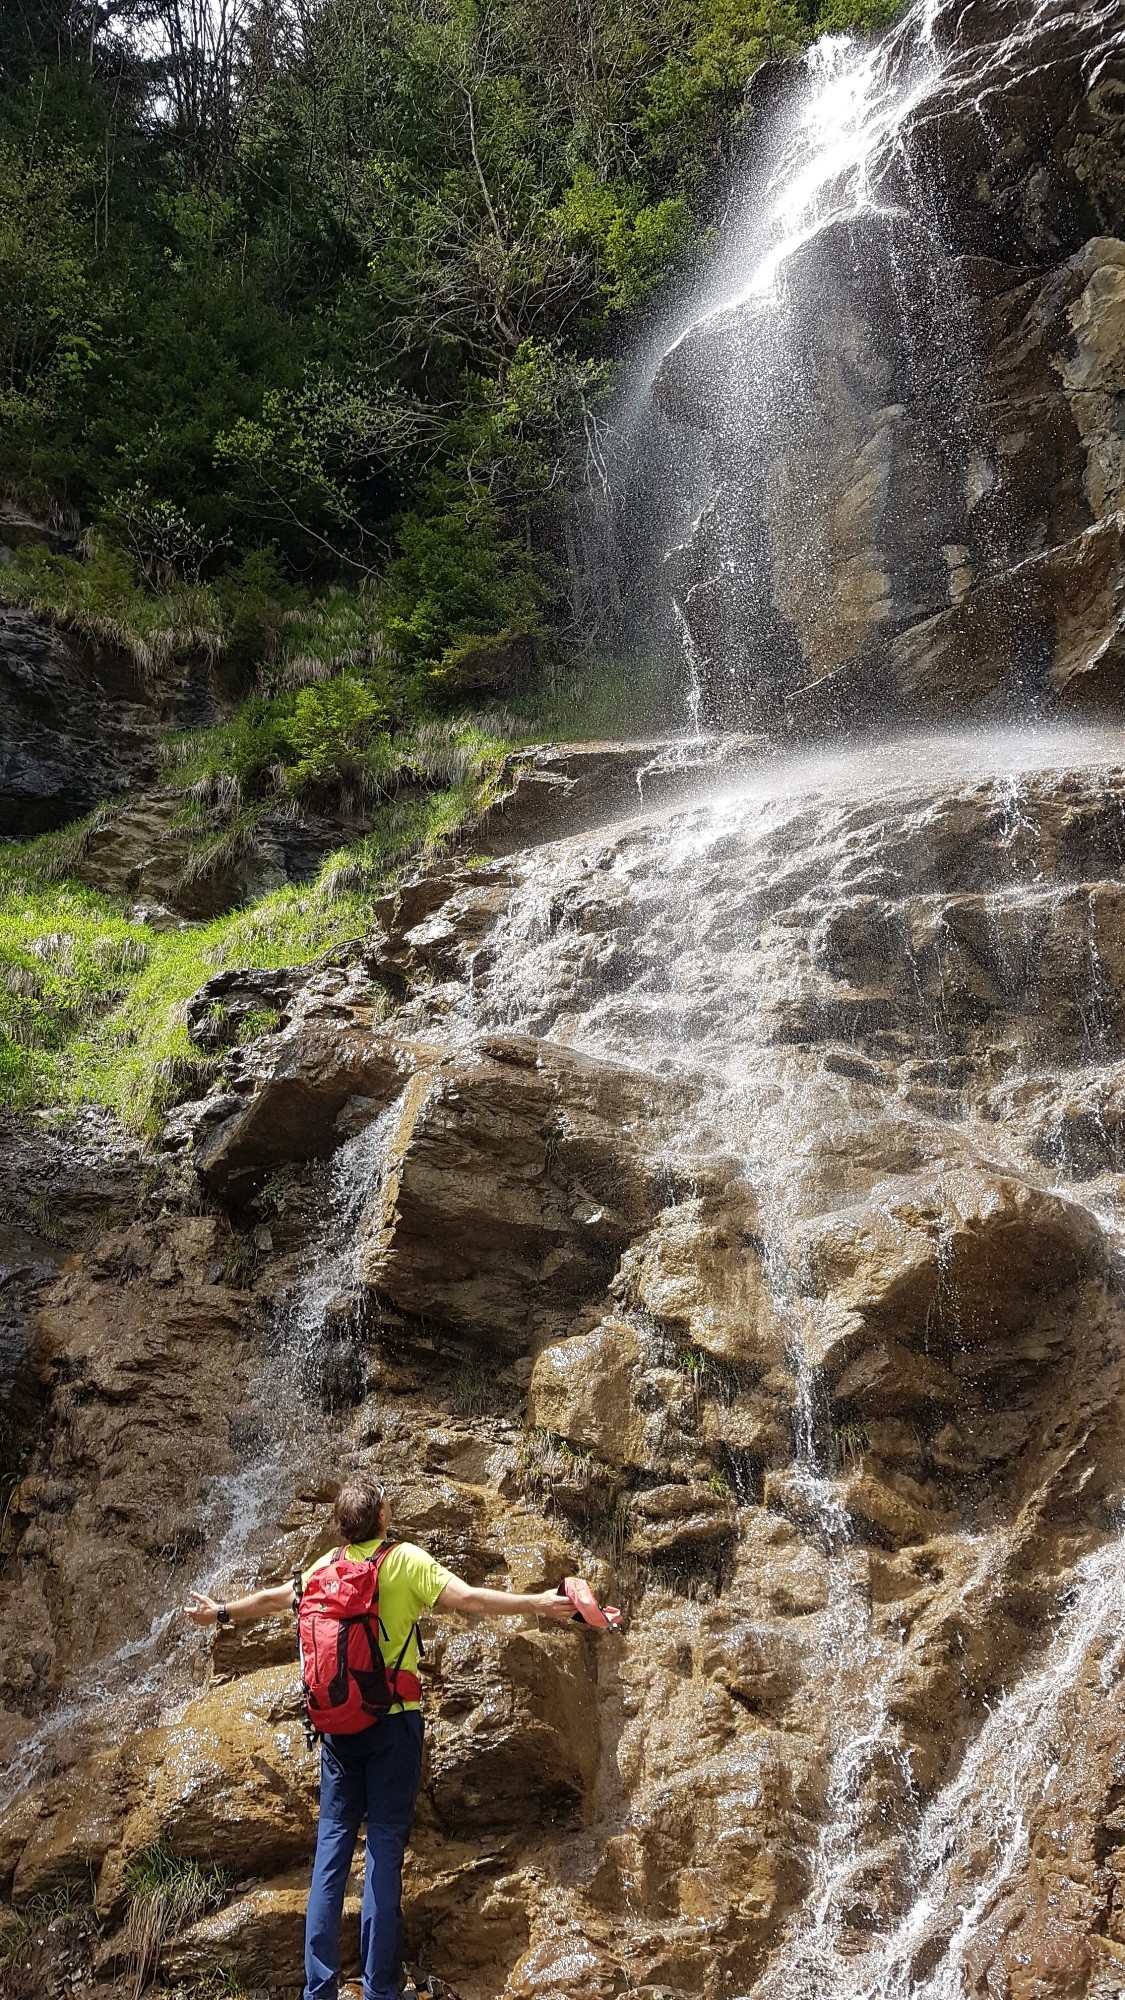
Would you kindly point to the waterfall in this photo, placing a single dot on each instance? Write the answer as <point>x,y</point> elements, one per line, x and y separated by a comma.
<point>814,466</point>
<point>694,899</point>
<point>314,1362</point>
<point>850,101</point>
<point>321,1332</point>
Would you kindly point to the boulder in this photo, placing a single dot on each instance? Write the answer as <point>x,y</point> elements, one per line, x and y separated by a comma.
<point>514,1743</point>
<point>583,1389</point>
<point>564,789</point>
<point>260,1937</point>
<point>307,1077</point>
<point>516,1179</point>
<point>665,1519</point>
<point>953,1265</point>
<point>77,1826</point>
<point>699,1272</point>
<point>146,850</point>
<point>219,1013</point>
<point>231,1783</point>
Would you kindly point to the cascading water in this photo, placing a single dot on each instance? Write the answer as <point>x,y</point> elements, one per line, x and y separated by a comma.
<point>813,469</point>
<point>822,467</point>
<point>315,1358</point>
<point>321,1331</point>
<point>730,915</point>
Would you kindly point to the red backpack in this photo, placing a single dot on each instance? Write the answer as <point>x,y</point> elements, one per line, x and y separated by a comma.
<point>346,1682</point>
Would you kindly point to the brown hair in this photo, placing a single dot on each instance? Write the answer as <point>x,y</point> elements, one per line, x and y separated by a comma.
<point>358,1506</point>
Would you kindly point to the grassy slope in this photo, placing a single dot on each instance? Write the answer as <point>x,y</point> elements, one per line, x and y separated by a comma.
<point>92,1005</point>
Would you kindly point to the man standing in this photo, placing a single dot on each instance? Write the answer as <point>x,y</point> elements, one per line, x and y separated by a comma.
<point>374,1773</point>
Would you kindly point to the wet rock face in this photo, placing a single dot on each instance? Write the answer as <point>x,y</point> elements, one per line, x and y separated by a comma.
<point>76,727</point>
<point>914,438</point>
<point>727,1210</point>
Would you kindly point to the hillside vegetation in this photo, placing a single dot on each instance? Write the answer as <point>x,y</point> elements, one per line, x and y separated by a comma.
<point>311,316</point>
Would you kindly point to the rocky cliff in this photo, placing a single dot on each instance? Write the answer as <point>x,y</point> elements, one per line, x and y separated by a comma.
<point>910,412</point>
<point>722,1200</point>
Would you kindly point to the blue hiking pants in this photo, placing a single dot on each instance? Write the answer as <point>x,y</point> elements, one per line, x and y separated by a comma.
<point>373,1775</point>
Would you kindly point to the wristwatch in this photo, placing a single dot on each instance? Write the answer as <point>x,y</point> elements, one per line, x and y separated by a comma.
<point>222,1615</point>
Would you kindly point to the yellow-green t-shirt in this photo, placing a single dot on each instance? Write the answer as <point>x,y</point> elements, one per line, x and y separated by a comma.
<point>410,1581</point>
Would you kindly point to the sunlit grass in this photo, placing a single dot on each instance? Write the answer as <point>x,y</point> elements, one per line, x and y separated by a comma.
<point>93,1006</point>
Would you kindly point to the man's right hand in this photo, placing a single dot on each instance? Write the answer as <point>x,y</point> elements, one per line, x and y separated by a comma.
<point>549,1604</point>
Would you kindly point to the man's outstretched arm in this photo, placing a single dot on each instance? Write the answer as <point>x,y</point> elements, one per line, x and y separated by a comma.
<point>242,1610</point>
<point>471,1603</point>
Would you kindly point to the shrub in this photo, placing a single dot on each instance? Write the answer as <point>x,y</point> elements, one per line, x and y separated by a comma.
<point>333,730</point>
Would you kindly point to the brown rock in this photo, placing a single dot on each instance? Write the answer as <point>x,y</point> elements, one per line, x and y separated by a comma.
<point>232,1782</point>
<point>699,1272</point>
<point>664,1518</point>
<point>582,1389</point>
<point>260,1936</point>
<point>946,1265</point>
<point>311,1074</point>
<point>512,1191</point>
<point>568,788</point>
<point>515,1740</point>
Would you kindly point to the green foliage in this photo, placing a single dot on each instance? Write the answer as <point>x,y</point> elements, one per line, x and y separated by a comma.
<point>224,1983</point>
<point>544,1460</point>
<point>100,598</point>
<point>258,1021</point>
<point>347,290</point>
<point>849,1443</point>
<point>66,959</point>
<point>333,733</point>
<point>92,1005</point>
<point>51,315</point>
<point>458,575</point>
<point>698,93</point>
<point>633,241</point>
<point>473,1386</point>
<point>857,17</point>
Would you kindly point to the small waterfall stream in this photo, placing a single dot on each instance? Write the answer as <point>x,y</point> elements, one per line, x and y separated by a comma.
<point>315,1360</point>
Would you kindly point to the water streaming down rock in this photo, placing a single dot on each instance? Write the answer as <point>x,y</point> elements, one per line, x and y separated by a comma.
<point>725,1200</point>
<point>738,927</point>
<point>321,1326</point>
<point>315,1358</point>
<point>882,443</point>
<point>742,1230</point>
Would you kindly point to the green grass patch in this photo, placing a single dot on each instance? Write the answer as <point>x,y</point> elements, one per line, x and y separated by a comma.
<point>100,598</point>
<point>20,1928</point>
<point>92,1005</point>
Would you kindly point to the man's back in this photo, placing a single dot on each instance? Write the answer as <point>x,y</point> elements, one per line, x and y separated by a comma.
<point>410,1582</point>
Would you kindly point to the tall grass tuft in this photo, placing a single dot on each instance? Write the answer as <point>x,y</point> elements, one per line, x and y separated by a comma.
<point>166,1894</point>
